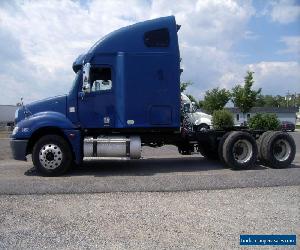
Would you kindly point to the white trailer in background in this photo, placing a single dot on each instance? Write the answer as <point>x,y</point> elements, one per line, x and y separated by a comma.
<point>7,115</point>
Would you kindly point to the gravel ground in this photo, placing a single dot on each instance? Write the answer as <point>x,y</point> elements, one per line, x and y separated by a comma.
<point>5,152</point>
<point>186,220</point>
<point>206,219</point>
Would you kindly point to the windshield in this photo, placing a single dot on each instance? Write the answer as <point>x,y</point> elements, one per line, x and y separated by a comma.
<point>74,84</point>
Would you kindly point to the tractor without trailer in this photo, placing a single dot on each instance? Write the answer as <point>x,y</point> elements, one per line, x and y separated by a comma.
<point>126,95</point>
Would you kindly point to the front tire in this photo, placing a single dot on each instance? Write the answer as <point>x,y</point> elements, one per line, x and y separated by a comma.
<point>202,127</point>
<point>52,155</point>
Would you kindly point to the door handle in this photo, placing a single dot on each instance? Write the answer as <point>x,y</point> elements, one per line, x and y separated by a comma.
<point>81,95</point>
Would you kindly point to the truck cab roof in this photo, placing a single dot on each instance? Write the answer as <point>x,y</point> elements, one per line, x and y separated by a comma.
<point>156,35</point>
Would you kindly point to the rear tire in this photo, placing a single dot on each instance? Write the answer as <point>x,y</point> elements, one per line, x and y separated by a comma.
<point>239,150</point>
<point>260,142</point>
<point>220,147</point>
<point>278,150</point>
<point>52,155</point>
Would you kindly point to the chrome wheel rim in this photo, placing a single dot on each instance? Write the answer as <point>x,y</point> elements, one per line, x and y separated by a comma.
<point>281,150</point>
<point>50,156</point>
<point>242,151</point>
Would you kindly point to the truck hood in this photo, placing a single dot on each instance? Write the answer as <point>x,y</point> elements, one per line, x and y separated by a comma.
<point>56,104</point>
<point>198,115</point>
<point>197,118</point>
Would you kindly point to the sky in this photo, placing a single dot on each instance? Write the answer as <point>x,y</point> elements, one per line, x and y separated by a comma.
<point>219,41</point>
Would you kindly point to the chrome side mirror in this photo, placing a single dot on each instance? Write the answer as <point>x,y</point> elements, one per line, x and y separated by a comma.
<point>186,108</point>
<point>194,107</point>
<point>86,86</point>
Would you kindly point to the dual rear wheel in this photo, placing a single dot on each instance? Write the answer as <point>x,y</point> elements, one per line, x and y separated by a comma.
<point>277,149</point>
<point>239,149</point>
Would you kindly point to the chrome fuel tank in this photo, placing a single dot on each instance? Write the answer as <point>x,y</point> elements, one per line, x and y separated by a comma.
<point>112,146</point>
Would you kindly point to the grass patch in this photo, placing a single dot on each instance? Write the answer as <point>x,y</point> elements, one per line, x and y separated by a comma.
<point>297,126</point>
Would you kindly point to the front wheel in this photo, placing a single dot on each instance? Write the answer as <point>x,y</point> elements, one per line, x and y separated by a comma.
<point>52,155</point>
<point>202,127</point>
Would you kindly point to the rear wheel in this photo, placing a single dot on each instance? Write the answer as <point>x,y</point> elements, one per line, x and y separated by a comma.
<point>52,155</point>
<point>261,142</point>
<point>239,150</point>
<point>220,147</point>
<point>278,149</point>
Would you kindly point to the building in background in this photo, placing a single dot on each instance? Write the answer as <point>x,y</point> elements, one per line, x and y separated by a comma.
<point>7,115</point>
<point>283,114</point>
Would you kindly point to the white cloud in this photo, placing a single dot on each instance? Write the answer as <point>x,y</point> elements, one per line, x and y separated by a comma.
<point>250,35</point>
<point>48,35</point>
<point>284,11</point>
<point>276,77</point>
<point>292,44</point>
<point>39,40</point>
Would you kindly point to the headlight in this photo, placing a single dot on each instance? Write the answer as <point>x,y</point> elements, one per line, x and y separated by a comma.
<point>15,130</point>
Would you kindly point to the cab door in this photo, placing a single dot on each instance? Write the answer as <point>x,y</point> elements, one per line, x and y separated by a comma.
<point>97,108</point>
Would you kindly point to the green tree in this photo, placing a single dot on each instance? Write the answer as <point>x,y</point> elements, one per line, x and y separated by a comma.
<point>184,85</point>
<point>298,100</point>
<point>222,119</point>
<point>260,101</point>
<point>271,101</point>
<point>200,104</point>
<point>215,99</point>
<point>281,100</point>
<point>278,101</point>
<point>264,122</point>
<point>244,97</point>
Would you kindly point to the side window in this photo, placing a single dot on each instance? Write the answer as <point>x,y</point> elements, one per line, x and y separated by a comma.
<point>101,79</point>
<point>157,38</point>
<point>237,117</point>
<point>248,116</point>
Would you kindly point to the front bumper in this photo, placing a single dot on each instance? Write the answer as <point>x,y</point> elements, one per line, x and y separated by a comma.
<point>18,148</point>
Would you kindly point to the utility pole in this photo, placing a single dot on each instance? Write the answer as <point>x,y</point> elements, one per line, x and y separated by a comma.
<point>287,98</point>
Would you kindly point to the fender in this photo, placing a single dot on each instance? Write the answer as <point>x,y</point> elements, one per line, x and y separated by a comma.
<point>25,128</point>
<point>203,120</point>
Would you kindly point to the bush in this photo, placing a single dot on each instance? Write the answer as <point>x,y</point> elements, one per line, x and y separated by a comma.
<point>222,119</point>
<point>264,122</point>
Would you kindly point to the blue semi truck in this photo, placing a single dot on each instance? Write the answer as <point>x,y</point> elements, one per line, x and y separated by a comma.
<point>125,95</point>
